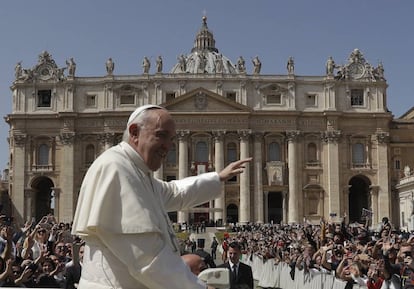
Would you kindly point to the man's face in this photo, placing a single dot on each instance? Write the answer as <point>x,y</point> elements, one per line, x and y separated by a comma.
<point>155,138</point>
<point>407,255</point>
<point>61,249</point>
<point>234,255</point>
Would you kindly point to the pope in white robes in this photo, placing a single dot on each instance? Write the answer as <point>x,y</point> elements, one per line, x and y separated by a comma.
<point>122,210</point>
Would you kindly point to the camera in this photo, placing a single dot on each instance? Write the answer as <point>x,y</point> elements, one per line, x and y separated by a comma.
<point>32,266</point>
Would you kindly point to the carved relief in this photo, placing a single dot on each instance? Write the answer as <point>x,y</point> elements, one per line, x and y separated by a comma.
<point>244,134</point>
<point>219,135</point>
<point>200,100</point>
<point>331,136</point>
<point>19,139</point>
<point>182,135</point>
<point>383,137</point>
<point>67,138</point>
<point>292,135</point>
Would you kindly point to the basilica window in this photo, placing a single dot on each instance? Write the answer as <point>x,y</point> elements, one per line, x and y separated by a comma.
<point>358,154</point>
<point>397,164</point>
<point>44,98</point>
<point>169,96</point>
<point>89,154</point>
<point>91,100</point>
<point>231,157</point>
<point>127,99</point>
<point>43,155</point>
<point>201,155</point>
<point>172,156</point>
<point>310,100</point>
<point>274,99</point>
<point>357,97</point>
<point>312,153</point>
<point>273,152</point>
<point>231,96</point>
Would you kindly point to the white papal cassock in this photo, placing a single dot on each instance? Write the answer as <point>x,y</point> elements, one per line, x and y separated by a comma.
<point>122,216</point>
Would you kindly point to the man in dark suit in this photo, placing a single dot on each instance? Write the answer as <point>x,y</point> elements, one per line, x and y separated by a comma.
<point>241,275</point>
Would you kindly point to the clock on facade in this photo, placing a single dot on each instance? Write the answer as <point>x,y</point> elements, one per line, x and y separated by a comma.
<point>356,70</point>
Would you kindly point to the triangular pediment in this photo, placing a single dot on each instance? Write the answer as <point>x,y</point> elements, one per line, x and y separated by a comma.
<point>409,115</point>
<point>201,100</point>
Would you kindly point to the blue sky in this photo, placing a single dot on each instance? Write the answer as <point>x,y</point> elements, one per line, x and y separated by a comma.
<point>128,30</point>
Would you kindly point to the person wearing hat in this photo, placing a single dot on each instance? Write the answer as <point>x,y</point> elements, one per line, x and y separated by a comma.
<point>203,254</point>
<point>122,209</point>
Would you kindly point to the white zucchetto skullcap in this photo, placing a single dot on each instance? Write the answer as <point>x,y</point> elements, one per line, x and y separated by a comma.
<point>140,109</point>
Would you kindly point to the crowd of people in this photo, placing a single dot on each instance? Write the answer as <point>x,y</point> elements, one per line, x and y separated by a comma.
<point>374,258</point>
<point>46,254</point>
<point>43,254</point>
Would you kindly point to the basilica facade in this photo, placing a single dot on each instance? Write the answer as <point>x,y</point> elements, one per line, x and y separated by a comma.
<point>322,146</point>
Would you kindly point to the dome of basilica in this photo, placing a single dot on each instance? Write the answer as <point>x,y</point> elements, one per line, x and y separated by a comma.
<point>205,57</point>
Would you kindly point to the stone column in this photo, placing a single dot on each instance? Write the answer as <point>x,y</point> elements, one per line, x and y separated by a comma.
<point>374,205</point>
<point>219,203</point>
<point>244,209</point>
<point>182,136</point>
<point>19,167</point>
<point>330,138</point>
<point>293,210</point>
<point>29,208</point>
<point>258,178</point>
<point>384,193</point>
<point>66,205</point>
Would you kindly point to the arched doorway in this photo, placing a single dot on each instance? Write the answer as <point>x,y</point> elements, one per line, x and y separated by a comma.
<point>358,197</point>
<point>274,207</point>
<point>43,197</point>
<point>232,213</point>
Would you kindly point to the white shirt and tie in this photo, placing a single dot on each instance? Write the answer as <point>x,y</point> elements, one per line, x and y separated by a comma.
<point>234,270</point>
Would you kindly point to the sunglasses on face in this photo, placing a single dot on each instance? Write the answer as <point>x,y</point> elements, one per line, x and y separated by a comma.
<point>407,254</point>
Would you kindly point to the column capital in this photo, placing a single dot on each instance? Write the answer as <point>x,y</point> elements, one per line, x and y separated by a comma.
<point>331,136</point>
<point>19,139</point>
<point>383,137</point>
<point>258,136</point>
<point>28,192</point>
<point>244,134</point>
<point>374,189</point>
<point>107,137</point>
<point>67,138</point>
<point>219,134</point>
<point>292,135</point>
<point>182,135</point>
